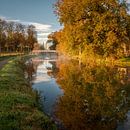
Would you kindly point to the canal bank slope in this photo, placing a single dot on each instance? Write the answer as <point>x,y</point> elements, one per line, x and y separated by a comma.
<point>19,107</point>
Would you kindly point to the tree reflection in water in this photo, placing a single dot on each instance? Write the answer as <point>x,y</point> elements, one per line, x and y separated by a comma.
<point>95,97</point>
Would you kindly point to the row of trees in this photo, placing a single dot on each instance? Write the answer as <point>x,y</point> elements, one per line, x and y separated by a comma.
<point>99,27</point>
<point>16,37</point>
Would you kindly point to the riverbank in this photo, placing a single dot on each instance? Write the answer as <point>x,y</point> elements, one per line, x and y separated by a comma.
<point>5,57</point>
<point>125,61</point>
<point>11,53</point>
<point>19,104</point>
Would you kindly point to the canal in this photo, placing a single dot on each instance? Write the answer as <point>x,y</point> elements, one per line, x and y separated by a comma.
<point>83,96</point>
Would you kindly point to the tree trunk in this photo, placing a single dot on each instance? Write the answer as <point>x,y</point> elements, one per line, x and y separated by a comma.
<point>0,49</point>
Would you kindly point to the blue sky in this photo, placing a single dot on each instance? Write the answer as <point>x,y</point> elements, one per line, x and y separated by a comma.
<point>128,1</point>
<point>36,12</point>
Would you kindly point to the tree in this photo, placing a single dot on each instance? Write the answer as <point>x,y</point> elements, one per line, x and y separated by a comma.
<point>2,34</point>
<point>53,37</point>
<point>32,36</point>
<point>99,24</point>
<point>16,36</point>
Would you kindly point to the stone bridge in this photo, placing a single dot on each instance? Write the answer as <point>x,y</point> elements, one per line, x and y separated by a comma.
<point>47,54</point>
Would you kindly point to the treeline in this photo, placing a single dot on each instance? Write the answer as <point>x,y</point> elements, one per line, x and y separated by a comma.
<point>16,37</point>
<point>93,27</point>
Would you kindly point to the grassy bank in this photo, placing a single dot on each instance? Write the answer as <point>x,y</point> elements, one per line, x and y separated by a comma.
<point>10,53</point>
<point>4,56</point>
<point>98,60</point>
<point>19,107</point>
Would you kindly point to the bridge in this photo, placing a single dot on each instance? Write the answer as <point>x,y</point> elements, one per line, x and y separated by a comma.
<point>46,54</point>
<point>43,51</point>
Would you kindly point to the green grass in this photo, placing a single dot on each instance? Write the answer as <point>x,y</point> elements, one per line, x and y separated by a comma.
<point>123,61</point>
<point>19,108</point>
<point>126,59</point>
<point>5,57</point>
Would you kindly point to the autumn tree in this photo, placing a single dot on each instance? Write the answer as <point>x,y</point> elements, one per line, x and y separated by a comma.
<point>16,36</point>
<point>54,37</point>
<point>31,37</point>
<point>98,24</point>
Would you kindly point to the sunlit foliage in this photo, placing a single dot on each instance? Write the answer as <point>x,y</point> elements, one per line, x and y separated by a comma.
<point>101,25</point>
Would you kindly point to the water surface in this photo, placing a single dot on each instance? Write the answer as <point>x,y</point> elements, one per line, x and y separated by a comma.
<point>84,96</point>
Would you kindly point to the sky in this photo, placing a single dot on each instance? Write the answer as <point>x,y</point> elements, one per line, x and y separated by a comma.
<point>39,13</point>
<point>128,1</point>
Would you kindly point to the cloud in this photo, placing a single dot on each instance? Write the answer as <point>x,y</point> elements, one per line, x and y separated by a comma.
<point>44,34</point>
<point>11,20</point>
<point>43,30</point>
<point>42,40</point>
<point>2,17</point>
<point>41,27</point>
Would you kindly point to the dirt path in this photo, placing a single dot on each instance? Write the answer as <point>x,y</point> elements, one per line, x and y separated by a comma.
<point>2,63</point>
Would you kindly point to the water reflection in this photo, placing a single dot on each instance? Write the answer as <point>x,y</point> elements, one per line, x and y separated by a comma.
<point>45,83</point>
<point>95,97</point>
